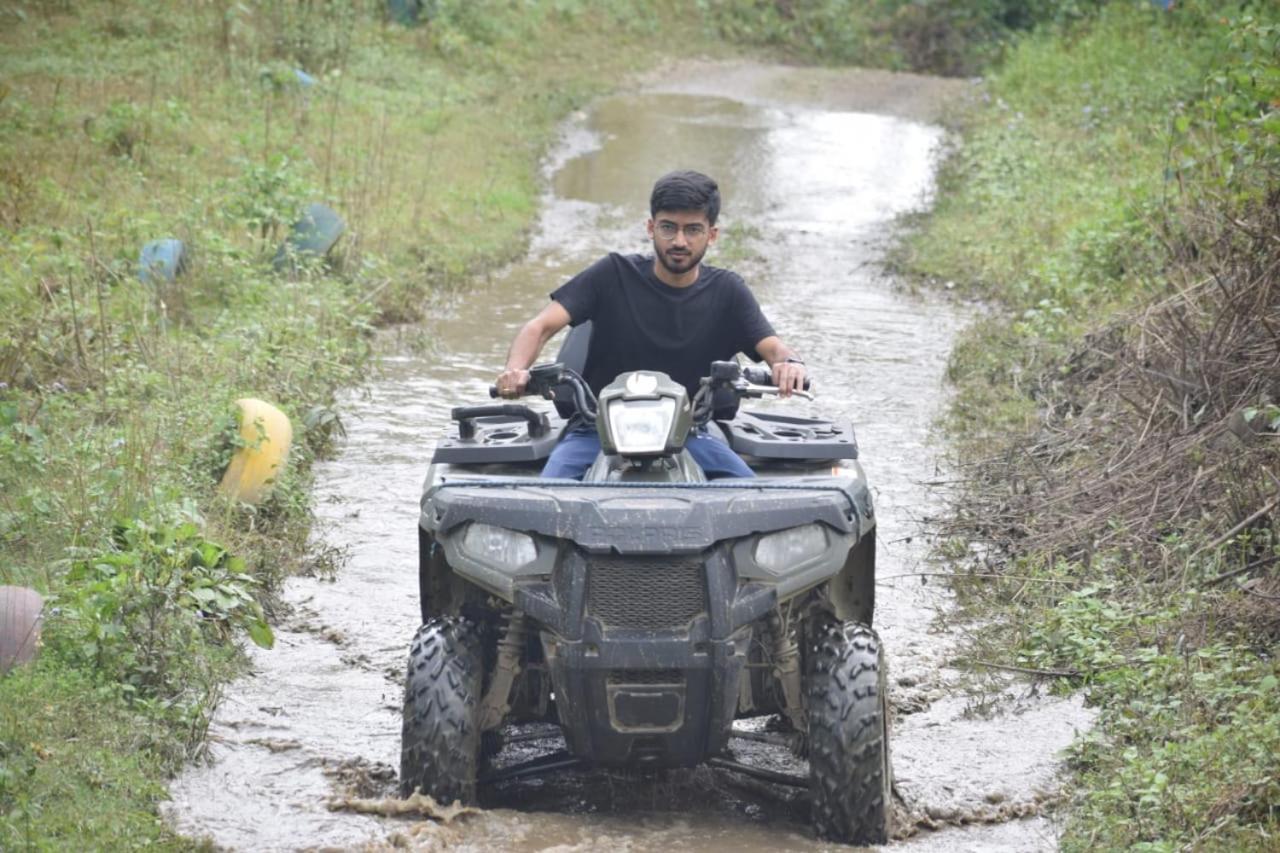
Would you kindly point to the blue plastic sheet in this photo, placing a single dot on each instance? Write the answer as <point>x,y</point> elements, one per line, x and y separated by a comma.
<point>162,260</point>
<point>311,237</point>
<point>405,12</point>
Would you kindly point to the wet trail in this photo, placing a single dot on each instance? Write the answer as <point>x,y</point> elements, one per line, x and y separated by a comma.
<point>813,166</point>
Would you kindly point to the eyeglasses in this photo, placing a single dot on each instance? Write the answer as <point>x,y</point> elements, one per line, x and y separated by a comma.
<point>668,230</point>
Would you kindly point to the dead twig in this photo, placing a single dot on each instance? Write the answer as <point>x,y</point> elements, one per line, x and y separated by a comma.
<point>1230,534</point>
<point>1256,564</point>
<point>1026,670</point>
<point>962,575</point>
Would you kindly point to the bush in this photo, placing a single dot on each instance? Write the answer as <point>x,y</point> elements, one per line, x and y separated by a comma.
<point>143,613</point>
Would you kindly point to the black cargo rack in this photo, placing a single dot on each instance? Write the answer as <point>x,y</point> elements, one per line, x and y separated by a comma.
<point>499,433</point>
<point>765,435</point>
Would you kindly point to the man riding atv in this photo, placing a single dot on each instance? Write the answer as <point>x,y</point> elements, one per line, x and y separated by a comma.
<point>668,313</point>
<point>626,595</point>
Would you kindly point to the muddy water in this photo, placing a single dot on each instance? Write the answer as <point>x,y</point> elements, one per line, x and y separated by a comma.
<point>813,167</point>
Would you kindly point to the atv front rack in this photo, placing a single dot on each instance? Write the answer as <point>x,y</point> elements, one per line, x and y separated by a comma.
<point>715,485</point>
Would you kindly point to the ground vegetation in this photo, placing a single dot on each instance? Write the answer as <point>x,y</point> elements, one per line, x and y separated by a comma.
<point>934,36</point>
<point>216,123</point>
<point>1116,206</point>
<point>1121,163</point>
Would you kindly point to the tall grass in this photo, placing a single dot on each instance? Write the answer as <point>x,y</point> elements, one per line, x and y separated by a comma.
<point>936,36</point>
<point>126,122</point>
<point>1116,203</point>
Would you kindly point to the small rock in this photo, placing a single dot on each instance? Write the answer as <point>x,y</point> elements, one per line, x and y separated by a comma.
<point>941,814</point>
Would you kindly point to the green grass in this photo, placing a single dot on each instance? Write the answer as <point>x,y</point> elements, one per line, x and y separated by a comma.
<point>935,36</point>
<point>1089,184</point>
<point>1052,206</point>
<point>126,122</point>
<point>78,768</point>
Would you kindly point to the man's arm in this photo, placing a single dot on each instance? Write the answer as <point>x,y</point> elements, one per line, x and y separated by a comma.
<point>526,346</point>
<point>788,368</point>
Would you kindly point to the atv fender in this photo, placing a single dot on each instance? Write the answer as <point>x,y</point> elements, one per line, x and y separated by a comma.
<point>853,590</point>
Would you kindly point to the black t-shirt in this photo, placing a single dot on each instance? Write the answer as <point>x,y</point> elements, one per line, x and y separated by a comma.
<point>640,323</point>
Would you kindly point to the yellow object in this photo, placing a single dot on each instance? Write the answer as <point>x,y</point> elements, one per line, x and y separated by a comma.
<point>254,468</point>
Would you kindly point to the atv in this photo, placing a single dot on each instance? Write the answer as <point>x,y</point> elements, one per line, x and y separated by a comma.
<point>645,608</point>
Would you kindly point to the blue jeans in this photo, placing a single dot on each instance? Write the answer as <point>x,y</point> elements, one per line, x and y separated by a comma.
<point>581,444</point>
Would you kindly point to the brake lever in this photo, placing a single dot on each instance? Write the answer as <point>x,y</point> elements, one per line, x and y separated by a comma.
<point>754,390</point>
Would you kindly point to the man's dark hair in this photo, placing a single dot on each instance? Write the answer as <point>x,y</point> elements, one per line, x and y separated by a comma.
<point>686,191</point>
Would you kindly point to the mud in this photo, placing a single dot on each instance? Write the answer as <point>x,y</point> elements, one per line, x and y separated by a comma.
<point>814,167</point>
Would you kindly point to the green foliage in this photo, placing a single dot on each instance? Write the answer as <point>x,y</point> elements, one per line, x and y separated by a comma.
<point>1087,172</point>
<point>1055,204</point>
<point>137,613</point>
<point>1229,137</point>
<point>940,36</point>
<point>270,196</point>
<point>1187,749</point>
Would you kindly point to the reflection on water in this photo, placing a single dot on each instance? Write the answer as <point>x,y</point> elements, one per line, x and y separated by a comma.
<point>810,191</point>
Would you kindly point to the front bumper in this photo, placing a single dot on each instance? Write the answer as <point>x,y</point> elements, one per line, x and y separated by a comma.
<point>646,597</point>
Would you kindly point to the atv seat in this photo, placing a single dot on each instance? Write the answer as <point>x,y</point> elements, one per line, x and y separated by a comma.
<point>573,355</point>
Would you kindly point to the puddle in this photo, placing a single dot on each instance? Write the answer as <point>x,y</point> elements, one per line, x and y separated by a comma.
<point>813,166</point>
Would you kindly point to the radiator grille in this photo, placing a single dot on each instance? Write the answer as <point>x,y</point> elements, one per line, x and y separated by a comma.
<point>646,676</point>
<point>646,592</point>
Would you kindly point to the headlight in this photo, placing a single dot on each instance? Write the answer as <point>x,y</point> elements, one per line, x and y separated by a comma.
<point>498,546</point>
<point>641,426</point>
<point>779,551</point>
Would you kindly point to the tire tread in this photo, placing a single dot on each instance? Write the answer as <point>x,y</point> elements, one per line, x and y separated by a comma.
<point>848,734</point>
<point>440,738</point>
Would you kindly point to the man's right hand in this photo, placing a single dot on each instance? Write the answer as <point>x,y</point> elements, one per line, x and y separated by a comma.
<point>525,348</point>
<point>512,382</point>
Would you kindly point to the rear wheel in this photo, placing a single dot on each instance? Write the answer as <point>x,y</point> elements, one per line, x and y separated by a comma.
<point>440,740</point>
<point>849,773</point>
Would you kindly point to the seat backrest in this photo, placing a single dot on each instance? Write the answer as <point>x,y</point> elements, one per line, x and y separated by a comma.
<point>573,354</point>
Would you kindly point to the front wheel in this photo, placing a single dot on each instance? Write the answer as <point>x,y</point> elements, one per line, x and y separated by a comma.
<point>440,741</point>
<point>849,774</point>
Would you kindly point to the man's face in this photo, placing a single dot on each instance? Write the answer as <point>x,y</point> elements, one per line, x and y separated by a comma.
<point>680,238</point>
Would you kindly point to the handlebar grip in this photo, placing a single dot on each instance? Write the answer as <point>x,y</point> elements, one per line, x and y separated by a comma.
<point>493,392</point>
<point>764,376</point>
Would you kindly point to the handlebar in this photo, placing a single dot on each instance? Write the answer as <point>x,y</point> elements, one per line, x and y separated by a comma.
<point>764,376</point>
<point>557,382</point>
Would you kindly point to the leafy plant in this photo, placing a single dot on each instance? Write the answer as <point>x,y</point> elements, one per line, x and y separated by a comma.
<point>137,612</point>
<point>270,195</point>
<point>1230,136</point>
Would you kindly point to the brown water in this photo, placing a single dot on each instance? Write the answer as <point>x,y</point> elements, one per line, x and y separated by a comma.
<point>814,166</point>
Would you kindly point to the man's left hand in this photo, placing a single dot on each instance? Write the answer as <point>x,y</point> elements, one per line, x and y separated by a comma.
<point>788,376</point>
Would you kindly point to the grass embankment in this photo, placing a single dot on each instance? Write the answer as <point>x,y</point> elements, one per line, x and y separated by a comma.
<point>126,122</point>
<point>1117,422</point>
<point>950,37</point>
